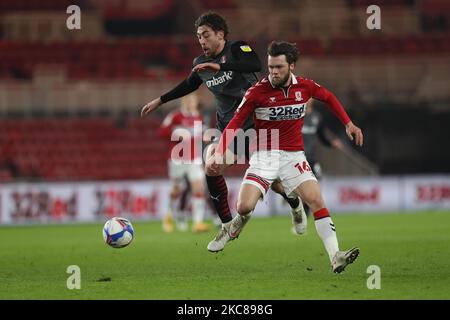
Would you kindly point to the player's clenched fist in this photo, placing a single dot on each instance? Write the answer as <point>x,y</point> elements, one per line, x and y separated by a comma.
<point>149,107</point>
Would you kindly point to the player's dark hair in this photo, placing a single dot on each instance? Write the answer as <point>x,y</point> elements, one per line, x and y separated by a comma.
<point>214,21</point>
<point>278,48</point>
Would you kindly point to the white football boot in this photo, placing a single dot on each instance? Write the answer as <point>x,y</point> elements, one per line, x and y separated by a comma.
<point>299,219</point>
<point>343,258</point>
<point>229,231</point>
<point>237,224</point>
<point>218,243</point>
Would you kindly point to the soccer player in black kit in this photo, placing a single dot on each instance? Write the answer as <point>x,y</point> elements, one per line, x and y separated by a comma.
<point>228,69</point>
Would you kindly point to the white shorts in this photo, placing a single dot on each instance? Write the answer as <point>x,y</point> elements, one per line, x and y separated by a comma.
<point>289,167</point>
<point>192,171</point>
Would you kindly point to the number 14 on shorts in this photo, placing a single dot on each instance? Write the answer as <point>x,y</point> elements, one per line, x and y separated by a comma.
<point>303,167</point>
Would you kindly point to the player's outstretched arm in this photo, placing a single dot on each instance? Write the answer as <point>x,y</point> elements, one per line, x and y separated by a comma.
<point>353,130</point>
<point>184,88</point>
<point>151,106</point>
<point>332,102</point>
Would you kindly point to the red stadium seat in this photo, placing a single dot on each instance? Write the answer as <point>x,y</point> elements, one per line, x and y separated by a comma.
<point>92,148</point>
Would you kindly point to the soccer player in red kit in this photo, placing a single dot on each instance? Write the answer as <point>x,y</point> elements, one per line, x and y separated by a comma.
<point>278,105</point>
<point>180,124</point>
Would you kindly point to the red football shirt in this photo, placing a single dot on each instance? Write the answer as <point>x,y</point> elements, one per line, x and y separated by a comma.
<point>182,120</point>
<point>281,112</point>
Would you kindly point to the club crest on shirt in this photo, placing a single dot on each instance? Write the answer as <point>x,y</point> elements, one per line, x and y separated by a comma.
<point>298,96</point>
<point>223,59</point>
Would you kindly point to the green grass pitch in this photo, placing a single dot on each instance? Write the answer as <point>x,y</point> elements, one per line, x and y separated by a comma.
<point>266,262</point>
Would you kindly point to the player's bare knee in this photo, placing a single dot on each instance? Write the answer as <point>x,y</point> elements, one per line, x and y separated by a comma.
<point>244,208</point>
<point>197,187</point>
<point>198,192</point>
<point>210,152</point>
<point>210,172</point>
<point>315,202</point>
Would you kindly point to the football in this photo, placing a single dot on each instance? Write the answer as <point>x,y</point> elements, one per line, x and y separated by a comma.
<point>118,232</point>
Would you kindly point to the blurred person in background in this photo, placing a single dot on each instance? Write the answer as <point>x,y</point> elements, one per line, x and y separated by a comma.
<point>228,69</point>
<point>181,171</point>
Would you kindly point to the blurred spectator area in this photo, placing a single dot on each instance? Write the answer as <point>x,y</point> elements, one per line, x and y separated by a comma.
<point>126,44</point>
<point>357,80</point>
<point>78,148</point>
<point>82,149</point>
